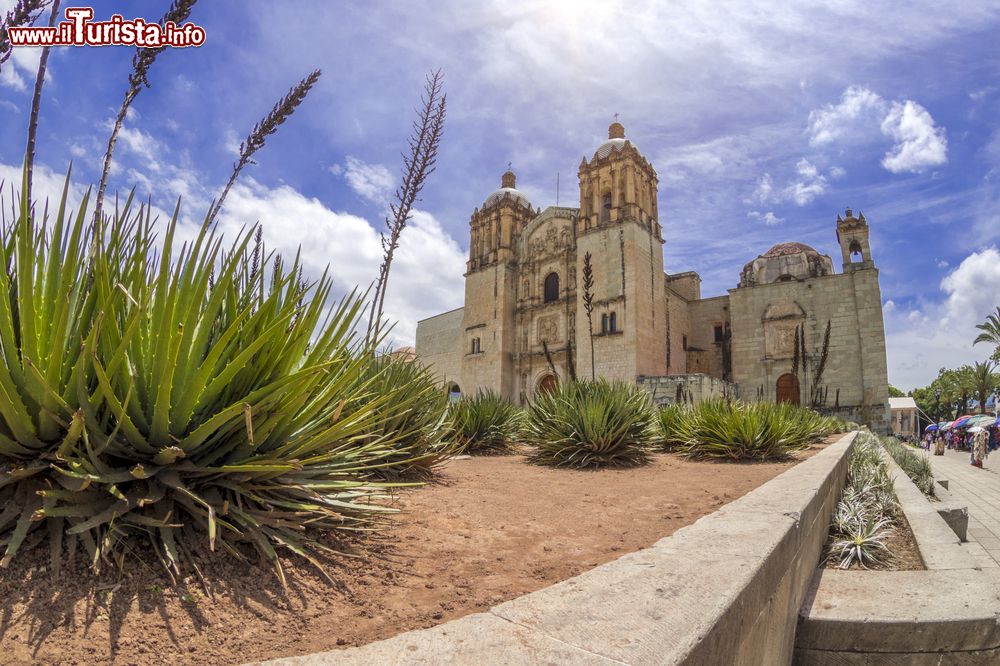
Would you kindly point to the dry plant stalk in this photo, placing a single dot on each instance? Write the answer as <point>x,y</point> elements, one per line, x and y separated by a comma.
<point>588,305</point>
<point>25,12</point>
<point>267,126</point>
<point>417,166</point>
<point>139,78</point>
<point>36,103</point>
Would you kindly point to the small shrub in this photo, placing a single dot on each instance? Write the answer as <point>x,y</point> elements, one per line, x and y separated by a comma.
<point>485,424</point>
<point>592,423</point>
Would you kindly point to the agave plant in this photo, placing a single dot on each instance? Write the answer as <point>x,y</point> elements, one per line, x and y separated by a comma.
<point>413,422</point>
<point>485,424</point>
<point>591,424</point>
<point>671,420</point>
<point>182,398</point>
<point>757,431</point>
<point>915,465</point>
<point>864,543</point>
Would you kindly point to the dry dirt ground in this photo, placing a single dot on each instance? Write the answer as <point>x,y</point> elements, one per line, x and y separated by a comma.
<point>490,529</point>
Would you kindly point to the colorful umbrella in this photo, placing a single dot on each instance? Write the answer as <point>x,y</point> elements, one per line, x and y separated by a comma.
<point>961,422</point>
<point>947,425</point>
<point>931,428</point>
<point>983,421</point>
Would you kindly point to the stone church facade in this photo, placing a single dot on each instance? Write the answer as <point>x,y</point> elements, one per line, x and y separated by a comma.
<point>793,329</point>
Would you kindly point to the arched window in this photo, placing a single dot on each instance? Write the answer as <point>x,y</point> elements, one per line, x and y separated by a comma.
<point>476,347</point>
<point>855,248</point>
<point>551,287</point>
<point>606,207</point>
<point>612,323</point>
<point>604,323</point>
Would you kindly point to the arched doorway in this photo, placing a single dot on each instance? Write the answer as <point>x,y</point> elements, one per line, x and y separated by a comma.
<point>547,383</point>
<point>454,392</point>
<point>787,389</point>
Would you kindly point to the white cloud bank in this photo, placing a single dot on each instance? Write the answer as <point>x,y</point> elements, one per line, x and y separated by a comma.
<point>918,143</point>
<point>924,338</point>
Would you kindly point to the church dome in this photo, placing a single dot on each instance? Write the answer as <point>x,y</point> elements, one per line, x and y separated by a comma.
<point>507,190</point>
<point>786,262</point>
<point>615,142</point>
<point>782,249</point>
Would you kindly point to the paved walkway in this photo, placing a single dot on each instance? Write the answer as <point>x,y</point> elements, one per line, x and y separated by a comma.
<point>980,489</point>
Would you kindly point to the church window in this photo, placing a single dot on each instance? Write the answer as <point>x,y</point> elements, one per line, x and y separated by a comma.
<point>612,323</point>
<point>606,207</point>
<point>551,287</point>
<point>476,346</point>
<point>604,323</point>
<point>684,342</point>
<point>718,334</point>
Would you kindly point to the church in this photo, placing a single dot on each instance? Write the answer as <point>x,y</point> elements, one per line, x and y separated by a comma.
<point>580,292</point>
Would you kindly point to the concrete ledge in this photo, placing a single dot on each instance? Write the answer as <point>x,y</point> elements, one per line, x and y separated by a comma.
<point>955,513</point>
<point>947,614</point>
<point>724,590</point>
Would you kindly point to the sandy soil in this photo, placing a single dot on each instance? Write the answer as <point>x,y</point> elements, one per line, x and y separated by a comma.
<point>491,529</point>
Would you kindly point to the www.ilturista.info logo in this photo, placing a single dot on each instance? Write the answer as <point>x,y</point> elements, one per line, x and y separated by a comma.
<point>79,30</point>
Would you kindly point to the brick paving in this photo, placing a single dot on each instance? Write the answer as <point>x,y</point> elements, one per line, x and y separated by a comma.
<point>980,489</point>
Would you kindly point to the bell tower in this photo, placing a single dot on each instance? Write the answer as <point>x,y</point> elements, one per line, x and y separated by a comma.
<point>618,226</point>
<point>488,335</point>
<point>495,228</point>
<point>852,234</point>
<point>618,183</point>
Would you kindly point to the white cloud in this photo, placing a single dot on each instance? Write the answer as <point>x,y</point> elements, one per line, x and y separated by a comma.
<point>807,184</point>
<point>764,191</point>
<point>857,108</point>
<point>769,218</point>
<point>936,334</point>
<point>919,143</point>
<point>373,182</point>
<point>427,270</point>
<point>861,113</point>
<point>837,172</point>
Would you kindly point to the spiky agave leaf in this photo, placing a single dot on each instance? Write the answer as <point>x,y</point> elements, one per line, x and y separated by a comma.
<point>591,423</point>
<point>174,396</point>
<point>864,543</point>
<point>414,422</point>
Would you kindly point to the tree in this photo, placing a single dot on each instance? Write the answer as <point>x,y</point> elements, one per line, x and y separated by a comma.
<point>990,333</point>
<point>895,392</point>
<point>984,382</point>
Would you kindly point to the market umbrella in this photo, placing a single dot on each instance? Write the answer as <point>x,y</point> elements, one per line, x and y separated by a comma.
<point>931,428</point>
<point>947,425</point>
<point>983,420</point>
<point>961,422</point>
<point>976,429</point>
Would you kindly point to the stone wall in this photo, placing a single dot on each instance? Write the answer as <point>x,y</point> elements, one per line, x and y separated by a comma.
<point>440,345</point>
<point>691,389</point>
<point>764,318</point>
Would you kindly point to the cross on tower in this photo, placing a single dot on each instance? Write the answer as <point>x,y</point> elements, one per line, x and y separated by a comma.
<point>616,117</point>
<point>508,166</point>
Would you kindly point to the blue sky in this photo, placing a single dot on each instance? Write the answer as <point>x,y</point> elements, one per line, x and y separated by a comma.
<point>762,119</point>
